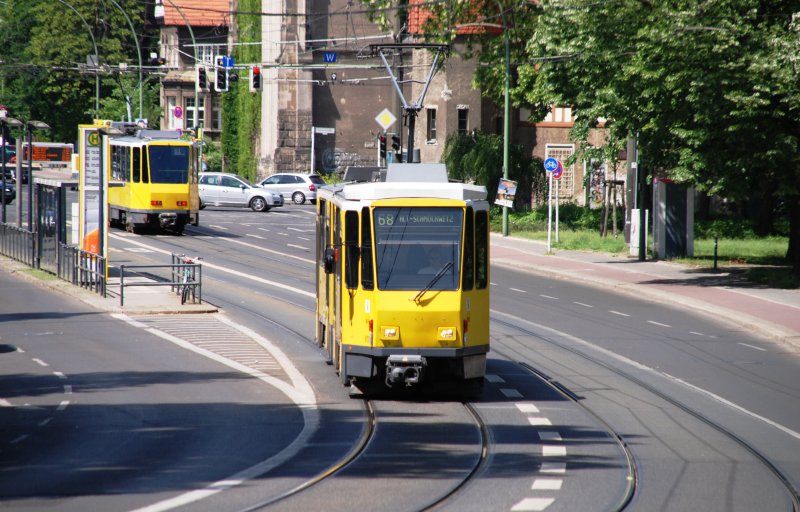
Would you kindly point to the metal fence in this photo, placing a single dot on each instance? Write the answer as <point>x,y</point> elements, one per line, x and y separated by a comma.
<point>18,244</point>
<point>72,264</point>
<point>186,278</point>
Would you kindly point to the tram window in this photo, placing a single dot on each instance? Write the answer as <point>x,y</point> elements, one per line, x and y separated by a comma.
<point>169,164</point>
<point>469,251</point>
<point>137,164</point>
<point>145,169</point>
<point>125,174</point>
<point>351,249</point>
<point>116,163</point>
<point>481,249</point>
<point>406,241</point>
<point>367,281</point>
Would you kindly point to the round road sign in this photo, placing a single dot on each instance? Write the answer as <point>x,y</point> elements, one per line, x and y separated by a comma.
<point>551,164</point>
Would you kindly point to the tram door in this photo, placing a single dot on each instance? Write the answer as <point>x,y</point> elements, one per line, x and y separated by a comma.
<point>337,286</point>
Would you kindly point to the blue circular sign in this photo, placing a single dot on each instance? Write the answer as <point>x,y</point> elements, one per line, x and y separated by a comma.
<point>551,164</point>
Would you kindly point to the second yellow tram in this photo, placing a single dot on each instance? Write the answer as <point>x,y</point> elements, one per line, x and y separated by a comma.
<point>403,278</point>
<point>153,181</point>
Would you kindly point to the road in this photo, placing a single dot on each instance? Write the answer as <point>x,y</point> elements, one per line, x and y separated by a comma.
<point>580,379</point>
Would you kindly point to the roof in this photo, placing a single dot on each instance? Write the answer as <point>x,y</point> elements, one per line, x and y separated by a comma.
<point>198,13</point>
<point>417,16</point>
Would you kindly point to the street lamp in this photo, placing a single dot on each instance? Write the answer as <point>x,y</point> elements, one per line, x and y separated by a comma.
<point>139,53</point>
<point>96,60</point>
<point>29,127</point>
<point>13,123</point>
<point>105,131</point>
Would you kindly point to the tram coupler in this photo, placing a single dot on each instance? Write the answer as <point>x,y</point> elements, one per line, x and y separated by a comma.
<point>167,220</point>
<point>404,369</point>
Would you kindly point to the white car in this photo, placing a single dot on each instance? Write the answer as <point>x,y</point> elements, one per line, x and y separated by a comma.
<point>297,186</point>
<point>224,189</point>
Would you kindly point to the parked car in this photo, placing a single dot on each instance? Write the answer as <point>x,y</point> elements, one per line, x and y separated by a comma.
<point>11,162</point>
<point>9,193</point>
<point>224,189</point>
<point>296,186</point>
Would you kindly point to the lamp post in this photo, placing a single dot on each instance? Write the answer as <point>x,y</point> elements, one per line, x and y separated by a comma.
<point>13,123</point>
<point>138,52</point>
<point>104,131</point>
<point>97,60</point>
<point>29,127</point>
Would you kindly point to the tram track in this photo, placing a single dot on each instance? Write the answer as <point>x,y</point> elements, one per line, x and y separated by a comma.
<point>353,454</point>
<point>476,469</point>
<point>632,489</point>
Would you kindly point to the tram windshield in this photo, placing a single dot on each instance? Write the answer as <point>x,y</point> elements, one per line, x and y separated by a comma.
<point>169,164</point>
<point>418,247</point>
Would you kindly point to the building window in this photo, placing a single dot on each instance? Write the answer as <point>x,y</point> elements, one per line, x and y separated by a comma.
<point>463,120</point>
<point>193,114</point>
<point>216,115</point>
<point>566,184</point>
<point>431,125</point>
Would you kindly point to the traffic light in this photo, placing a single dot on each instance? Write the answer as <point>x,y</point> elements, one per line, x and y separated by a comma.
<point>221,80</point>
<point>220,74</point>
<point>382,145</point>
<point>255,79</point>
<point>202,79</point>
<point>396,142</point>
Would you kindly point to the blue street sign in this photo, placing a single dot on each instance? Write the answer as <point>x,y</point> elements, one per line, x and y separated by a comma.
<point>551,164</point>
<point>228,62</point>
<point>329,57</point>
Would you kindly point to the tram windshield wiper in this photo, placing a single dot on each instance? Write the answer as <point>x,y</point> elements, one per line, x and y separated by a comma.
<point>447,266</point>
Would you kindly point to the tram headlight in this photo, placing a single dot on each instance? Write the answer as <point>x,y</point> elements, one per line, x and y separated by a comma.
<point>447,333</point>
<point>390,332</point>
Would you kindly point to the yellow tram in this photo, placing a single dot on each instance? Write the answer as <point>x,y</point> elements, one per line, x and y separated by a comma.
<point>153,176</point>
<point>387,308</point>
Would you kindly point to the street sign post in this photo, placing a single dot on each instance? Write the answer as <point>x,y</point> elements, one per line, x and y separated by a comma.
<point>554,170</point>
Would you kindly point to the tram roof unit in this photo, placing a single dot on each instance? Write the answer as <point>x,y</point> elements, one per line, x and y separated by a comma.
<point>408,181</point>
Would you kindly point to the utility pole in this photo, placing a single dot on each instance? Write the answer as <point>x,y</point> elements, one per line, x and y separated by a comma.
<point>410,109</point>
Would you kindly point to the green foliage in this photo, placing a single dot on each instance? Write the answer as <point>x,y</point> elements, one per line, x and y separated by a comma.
<point>212,155</point>
<point>43,43</point>
<point>478,158</point>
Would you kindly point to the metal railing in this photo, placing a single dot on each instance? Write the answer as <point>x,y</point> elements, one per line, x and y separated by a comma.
<point>18,244</point>
<point>79,267</point>
<point>185,274</point>
<point>82,268</point>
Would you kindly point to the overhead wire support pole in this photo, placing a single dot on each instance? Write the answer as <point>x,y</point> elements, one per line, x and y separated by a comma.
<point>506,110</point>
<point>410,110</point>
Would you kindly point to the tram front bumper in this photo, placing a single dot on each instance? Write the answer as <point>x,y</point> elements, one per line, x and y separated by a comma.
<point>404,369</point>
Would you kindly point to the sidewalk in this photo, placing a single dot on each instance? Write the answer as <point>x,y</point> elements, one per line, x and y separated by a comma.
<point>769,312</point>
<point>140,300</point>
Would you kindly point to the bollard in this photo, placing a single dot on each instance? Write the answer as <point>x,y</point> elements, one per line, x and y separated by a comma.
<point>716,246</point>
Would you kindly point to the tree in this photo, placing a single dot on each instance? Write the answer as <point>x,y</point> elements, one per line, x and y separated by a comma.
<point>473,158</point>
<point>44,69</point>
<point>711,89</point>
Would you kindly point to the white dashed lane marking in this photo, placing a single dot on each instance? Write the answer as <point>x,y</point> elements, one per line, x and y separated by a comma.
<point>618,313</point>
<point>548,297</point>
<point>584,305</point>
<point>753,347</point>
<point>658,323</point>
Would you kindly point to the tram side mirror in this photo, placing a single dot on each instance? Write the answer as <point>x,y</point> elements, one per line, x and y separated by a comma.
<point>330,259</point>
